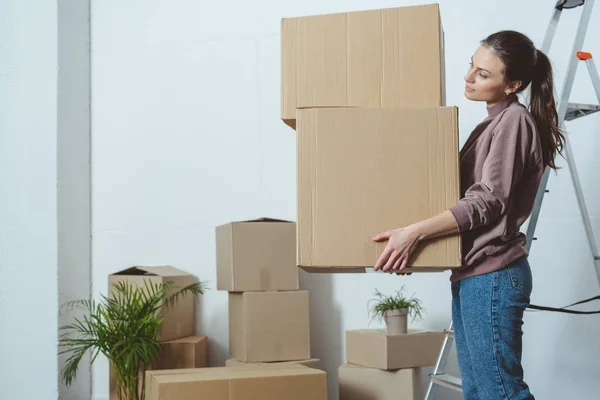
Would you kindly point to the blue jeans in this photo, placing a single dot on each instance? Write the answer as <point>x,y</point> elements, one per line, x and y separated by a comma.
<point>487,314</point>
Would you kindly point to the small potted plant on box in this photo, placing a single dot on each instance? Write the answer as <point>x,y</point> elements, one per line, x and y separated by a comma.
<point>394,310</point>
<point>123,327</point>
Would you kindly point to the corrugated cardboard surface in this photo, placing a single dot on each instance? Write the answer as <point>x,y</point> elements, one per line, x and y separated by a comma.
<point>269,326</point>
<point>311,363</point>
<point>179,320</point>
<point>364,171</point>
<point>189,352</point>
<point>256,255</point>
<point>360,383</point>
<point>231,383</point>
<point>377,58</point>
<point>376,349</point>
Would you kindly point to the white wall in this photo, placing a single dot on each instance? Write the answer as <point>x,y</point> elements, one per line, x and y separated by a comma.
<point>28,255</point>
<point>74,186</point>
<point>186,135</point>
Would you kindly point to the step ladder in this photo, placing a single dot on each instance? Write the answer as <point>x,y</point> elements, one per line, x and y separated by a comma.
<point>566,112</point>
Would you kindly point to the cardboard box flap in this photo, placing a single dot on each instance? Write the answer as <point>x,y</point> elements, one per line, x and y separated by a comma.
<point>264,219</point>
<point>189,339</point>
<point>320,107</point>
<point>152,271</point>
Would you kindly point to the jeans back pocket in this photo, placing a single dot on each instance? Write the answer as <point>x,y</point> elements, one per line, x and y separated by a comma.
<point>520,276</point>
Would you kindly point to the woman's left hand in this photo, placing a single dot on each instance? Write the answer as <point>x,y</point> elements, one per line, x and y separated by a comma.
<point>402,242</point>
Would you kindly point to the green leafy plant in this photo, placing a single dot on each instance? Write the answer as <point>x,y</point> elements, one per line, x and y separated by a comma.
<point>383,303</point>
<point>123,327</point>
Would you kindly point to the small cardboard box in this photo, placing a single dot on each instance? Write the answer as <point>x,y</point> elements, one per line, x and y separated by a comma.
<point>232,383</point>
<point>269,326</point>
<point>190,352</point>
<point>361,383</point>
<point>311,363</point>
<point>256,255</point>
<point>377,349</point>
<point>376,58</point>
<point>179,320</point>
<point>365,171</point>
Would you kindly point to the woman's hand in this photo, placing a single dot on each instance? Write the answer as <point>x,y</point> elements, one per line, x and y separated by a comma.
<point>402,242</point>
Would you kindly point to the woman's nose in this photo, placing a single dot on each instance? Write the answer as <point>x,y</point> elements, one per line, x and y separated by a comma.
<point>469,77</point>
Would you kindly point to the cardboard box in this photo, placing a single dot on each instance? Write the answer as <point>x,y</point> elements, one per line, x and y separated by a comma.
<point>377,349</point>
<point>365,171</point>
<point>179,321</point>
<point>269,326</point>
<point>230,383</point>
<point>360,383</point>
<point>377,58</point>
<point>257,255</point>
<point>190,352</point>
<point>311,363</point>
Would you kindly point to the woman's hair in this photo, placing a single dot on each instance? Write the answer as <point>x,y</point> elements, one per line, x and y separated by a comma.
<point>523,62</point>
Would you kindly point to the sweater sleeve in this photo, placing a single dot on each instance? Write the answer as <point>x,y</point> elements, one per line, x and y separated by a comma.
<point>485,201</point>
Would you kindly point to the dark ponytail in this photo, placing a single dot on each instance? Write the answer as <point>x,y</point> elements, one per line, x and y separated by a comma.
<point>523,62</point>
<point>543,109</point>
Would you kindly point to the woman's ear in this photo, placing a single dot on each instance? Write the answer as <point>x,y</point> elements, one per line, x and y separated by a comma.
<point>513,87</point>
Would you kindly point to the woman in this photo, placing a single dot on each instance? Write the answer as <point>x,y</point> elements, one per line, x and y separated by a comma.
<point>501,164</point>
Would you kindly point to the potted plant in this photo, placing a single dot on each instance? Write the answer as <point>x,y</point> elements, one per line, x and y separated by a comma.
<point>394,310</point>
<point>124,328</point>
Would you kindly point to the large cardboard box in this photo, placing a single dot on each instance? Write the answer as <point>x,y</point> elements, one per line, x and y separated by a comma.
<point>377,58</point>
<point>269,326</point>
<point>360,383</point>
<point>231,383</point>
<point>311,363</point>
<point>179,320</point>
<point>257,255</point>
<point>363,171</point>
<point>190,352</point>
<point>376,349</point>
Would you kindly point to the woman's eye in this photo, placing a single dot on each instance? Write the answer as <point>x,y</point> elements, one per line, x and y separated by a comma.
<point>483,75</point>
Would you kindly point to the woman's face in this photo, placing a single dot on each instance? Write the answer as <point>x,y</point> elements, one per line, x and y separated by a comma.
<point>485,79</point>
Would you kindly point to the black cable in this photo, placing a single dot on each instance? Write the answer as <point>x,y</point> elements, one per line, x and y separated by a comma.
<point>565,308</point>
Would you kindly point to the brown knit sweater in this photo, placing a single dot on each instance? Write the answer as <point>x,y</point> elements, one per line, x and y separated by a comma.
<point>501,166</point>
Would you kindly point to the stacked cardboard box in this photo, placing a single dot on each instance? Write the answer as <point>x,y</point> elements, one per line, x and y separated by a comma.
<point>180,347</point>
<point>387,367</point>
<point>268,314</point>
<point>377,148</point>
<point>290,382</point>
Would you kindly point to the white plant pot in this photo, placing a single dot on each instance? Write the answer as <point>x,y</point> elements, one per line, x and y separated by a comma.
<point>396,321</point>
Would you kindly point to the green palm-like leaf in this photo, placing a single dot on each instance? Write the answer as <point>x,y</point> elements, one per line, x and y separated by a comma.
<point>122,326</point>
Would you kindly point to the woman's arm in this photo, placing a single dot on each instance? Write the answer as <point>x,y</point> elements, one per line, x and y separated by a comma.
<point>440,225</point>
<point>403,241</point>
<point>484,202</point>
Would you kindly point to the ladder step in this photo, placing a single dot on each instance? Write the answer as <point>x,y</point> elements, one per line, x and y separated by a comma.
<point>449,381</point>
<point>577,110</point>
<point>569,4</point>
